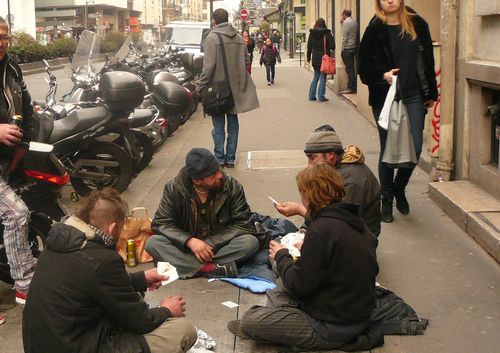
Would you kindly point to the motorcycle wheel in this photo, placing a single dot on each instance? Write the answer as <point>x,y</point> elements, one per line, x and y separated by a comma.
<point>39,228</point>
<point>145,148</point>
<point>118,177</point>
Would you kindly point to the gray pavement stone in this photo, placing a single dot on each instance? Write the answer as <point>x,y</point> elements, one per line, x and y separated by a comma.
<point>424,257</point>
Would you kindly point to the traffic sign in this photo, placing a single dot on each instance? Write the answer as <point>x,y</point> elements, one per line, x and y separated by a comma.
<point>243,14</point>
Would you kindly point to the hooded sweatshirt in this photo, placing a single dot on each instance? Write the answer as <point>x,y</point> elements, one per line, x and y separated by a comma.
<point>316,46</point>
<point>334,278</point>
<point>81,298</point>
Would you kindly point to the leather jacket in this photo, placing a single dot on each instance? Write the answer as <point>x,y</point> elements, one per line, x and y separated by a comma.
<point>376,58</point>
<point>227,209</point>
<point>17,100</point>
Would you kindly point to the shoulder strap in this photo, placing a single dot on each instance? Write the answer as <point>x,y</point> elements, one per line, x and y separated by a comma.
<point>224,61</point>
<point>324,43</point>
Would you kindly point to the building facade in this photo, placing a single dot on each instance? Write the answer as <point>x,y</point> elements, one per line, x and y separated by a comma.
<point>22,15</point>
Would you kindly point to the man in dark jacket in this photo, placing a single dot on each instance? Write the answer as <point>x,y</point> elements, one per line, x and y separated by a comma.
<point>360,184</point>
<point>14,140</point>
<point>82,299</point>
<point>203,225</point>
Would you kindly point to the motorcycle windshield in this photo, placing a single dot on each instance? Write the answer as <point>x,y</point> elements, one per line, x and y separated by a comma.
<point>86,53</point>
<point>122,53</point>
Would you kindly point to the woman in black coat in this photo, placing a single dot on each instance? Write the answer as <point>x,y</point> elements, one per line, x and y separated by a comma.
<point>397,42</point>
<point>250,46</point>
<point>320,38</point>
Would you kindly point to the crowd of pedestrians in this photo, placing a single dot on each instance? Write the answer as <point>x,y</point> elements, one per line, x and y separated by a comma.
<point>81,298</point>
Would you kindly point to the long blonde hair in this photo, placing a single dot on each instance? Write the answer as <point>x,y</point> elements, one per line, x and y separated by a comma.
<point>404,19</point>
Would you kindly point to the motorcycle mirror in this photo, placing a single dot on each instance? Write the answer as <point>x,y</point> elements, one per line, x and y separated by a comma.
<point>46,64</point>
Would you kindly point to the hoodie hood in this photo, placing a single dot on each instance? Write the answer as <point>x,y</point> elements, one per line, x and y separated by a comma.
<point>352,155</point>
<point>226,29</point>
<point>347,212</point>
<point>70,235</point>
<point>319,32</point>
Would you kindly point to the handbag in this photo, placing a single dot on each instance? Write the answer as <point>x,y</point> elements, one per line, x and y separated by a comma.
<point>216,97</point>
<point>399,151</point>
<point>138,229</point>
<point>327,62</point>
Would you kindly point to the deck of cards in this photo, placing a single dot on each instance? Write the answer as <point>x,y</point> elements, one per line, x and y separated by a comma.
<point>166,269</point>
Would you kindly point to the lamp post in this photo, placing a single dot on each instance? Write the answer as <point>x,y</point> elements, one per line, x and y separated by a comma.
<point>8,14</point>
<point>85,18</point>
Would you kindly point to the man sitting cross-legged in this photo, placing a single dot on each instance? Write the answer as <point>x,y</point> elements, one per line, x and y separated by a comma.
<point>202,226</point>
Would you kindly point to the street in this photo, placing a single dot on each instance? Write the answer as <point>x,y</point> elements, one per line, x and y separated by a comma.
<point>424,257</point>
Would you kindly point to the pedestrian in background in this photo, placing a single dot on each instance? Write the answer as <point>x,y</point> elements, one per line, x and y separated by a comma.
<point>349,49</point>
<point>276,39</point>
<point>398,42</point>
<point>250,46</point>
<point>242,87</point>
<point>320,42</point>
<point>260,42</point>
<point>270,54</point>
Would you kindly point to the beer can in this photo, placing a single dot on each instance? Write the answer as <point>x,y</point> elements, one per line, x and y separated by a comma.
<point>17,120</point>
<point>131,261</point>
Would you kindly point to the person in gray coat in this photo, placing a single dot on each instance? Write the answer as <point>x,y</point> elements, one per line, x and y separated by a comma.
<point>241,83</point>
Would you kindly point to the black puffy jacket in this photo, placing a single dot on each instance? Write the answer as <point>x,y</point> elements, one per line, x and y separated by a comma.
<point>315,45</point>
<point>376,58</point>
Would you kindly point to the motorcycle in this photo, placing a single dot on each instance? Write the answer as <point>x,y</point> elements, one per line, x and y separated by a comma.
<point>38,180</point>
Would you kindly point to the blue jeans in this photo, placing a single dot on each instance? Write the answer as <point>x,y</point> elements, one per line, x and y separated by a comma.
<point>388,183</point>
<point>270,72</point>
<point>219,136</point>
<point>321,77</point>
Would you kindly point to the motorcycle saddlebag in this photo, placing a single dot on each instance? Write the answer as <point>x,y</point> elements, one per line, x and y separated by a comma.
<point>198,64</point>
<point>121,91</point>
<point>171,98</point>
<point>155,77</point>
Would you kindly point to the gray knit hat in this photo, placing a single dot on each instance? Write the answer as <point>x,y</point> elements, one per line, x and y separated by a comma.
<point>201,163</point>
<point>323,141</point>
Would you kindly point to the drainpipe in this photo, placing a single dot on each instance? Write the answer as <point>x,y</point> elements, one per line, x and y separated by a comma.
<point>445,166</point>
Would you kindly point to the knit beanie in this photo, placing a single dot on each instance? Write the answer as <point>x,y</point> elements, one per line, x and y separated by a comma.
<point>323,141</point>
<point>201,163</point>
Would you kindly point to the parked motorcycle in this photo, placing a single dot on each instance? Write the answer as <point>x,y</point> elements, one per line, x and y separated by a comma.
<point>38,180</point>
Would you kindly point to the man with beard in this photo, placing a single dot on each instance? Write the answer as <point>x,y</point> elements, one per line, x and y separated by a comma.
<point>202,225</point>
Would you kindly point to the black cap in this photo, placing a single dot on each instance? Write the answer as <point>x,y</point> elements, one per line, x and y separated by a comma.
<point>201,163</point>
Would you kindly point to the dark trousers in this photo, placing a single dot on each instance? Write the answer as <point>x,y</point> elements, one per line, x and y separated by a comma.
<point>388,183</point>
<point>348,57</point>
<point>270,72</point>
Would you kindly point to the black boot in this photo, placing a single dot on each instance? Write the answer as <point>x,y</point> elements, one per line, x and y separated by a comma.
<point>401,202</point>
<point>387,211</point>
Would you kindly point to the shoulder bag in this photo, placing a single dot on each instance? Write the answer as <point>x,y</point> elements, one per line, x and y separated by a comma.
<point>327,62</point>
<point>217,97</point>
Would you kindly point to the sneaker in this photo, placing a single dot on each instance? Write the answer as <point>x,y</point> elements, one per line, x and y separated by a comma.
<point>224,271</point>
<point>21,297</point>
<point>229,164</point>
<point>269,83</point>
<point>234,326</point>
<point>312,99</point>
<point>323,99</point>
<point>401,202</point>
<point>2,318</point>
<point>387,216</point>
<point>272,82</point>
<point>347,91</point>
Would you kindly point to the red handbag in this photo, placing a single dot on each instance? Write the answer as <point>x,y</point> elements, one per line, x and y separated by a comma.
<point>327,62</point>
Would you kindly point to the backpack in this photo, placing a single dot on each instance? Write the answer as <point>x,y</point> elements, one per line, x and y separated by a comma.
<point>394,316</point>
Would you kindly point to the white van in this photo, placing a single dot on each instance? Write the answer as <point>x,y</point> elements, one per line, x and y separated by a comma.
<point>187,35</point>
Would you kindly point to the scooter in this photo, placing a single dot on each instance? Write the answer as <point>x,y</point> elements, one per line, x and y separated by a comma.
<point>38,180</point>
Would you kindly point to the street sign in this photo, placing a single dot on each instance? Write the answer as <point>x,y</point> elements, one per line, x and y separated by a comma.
<point>249,21</point>
<point>243,14</point>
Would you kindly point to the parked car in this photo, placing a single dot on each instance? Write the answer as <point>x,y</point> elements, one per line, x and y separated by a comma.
<point>187,35</point>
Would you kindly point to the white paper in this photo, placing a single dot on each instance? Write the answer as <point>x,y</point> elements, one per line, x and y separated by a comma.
<point>383,119</point>
<point>230,304</point>
<point>166,269</point>
<point>289,241</point>
<point>273,200</point>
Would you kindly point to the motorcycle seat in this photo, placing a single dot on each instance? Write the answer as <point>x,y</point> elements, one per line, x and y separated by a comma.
<point>77,121</point>
<point>140,117</point>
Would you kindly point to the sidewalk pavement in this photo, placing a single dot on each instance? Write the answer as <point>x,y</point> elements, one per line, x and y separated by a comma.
<point>424,257</point>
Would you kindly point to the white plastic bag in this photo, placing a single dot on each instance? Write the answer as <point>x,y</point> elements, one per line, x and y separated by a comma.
<point>383,119</point>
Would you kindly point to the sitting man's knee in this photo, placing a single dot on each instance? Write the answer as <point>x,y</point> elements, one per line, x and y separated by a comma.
<point>190,335</point>
<point>249,242</point>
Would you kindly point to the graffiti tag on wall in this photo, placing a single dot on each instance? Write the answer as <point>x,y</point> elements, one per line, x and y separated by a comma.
<point>436,119</point>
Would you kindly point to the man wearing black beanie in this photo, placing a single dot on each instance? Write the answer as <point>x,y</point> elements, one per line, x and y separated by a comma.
<point>202,225</point>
